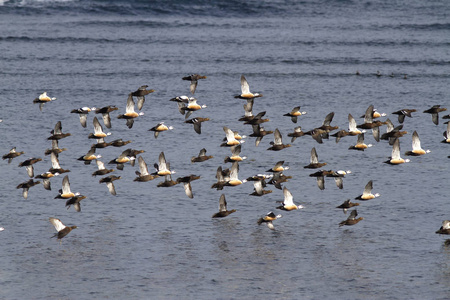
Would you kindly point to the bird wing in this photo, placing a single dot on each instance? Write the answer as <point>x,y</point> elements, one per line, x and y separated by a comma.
<point>58,128</point>
<point>97,127</point>
<point>66,185</point>
<point>415,141</point>
<point>288,198</point>
<point>111,188</point>
<point>229,133</point>
<point>236,150</point>
<point>193,86</point>
<point>202,152</point>
<point>234,171</point>
<point>130,104</point>
<point>245,89</point>
<point>328,119</point>
<point>351,123</point>
<point>162,162</point>
<point>314,158</point>
<point>353,215</point>
<point>188,189</point>
<point>142,166</point>
<point>57,223</point>
<point>368,116</point>
<point>396,149</point>
<point>360,140</point>
<point>277,137</point>
<point>55,161</point>
<point>222,203</point>
<point>368,188</point>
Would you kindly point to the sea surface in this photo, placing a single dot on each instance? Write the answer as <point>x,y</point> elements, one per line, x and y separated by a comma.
<point>150,242</point>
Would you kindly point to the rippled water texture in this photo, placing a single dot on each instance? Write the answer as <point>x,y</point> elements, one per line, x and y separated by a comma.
<point>155,242</point>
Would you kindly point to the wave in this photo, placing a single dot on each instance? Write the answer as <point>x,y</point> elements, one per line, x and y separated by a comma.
<point>141,7</point>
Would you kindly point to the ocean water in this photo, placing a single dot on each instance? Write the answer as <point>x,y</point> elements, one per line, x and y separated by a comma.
<point>154,242</point>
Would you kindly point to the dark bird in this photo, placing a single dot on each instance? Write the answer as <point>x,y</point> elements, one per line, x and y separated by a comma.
<point>259,132</point>
<point>403,113</point>
<point>62,229</point>
<point>26,186</point>
<point>248,111</point>
<point>140,94</point>
<point>101,143</point>
<point>56,168</point>
<point>222,176</point>
<point>76,202</point>
<point>223,211</point>
<point>105,111</point>
<point>101,169</point>
<point>55,148</point>
<point>297,133</point>
<point>320,177</point>
<point>278,178</point>
<point>277,144</point>
<point>326,125</point>
<point>168,182</point>
<point>338,177</point>
<point>193,78</point>
<point>201,156</point>
<point>351,220</point>
<point>346,205</point>
<point>434,111</point>
<point>119,143</point>
<point>57,133</point>
<point>109,183</point>
<point>28,164</point>
<point>197,122</point>
<point>12,154</point>
<point>186,180</point>
<point>258,119</point>
<point>352,129</point>
<point>259,183</point>
<point>392,132</point>
<point>314,161</point>
<point>143,174</point>
<point>369,123</point>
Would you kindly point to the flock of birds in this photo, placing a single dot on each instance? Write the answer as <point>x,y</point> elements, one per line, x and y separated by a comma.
<point>233,140</point>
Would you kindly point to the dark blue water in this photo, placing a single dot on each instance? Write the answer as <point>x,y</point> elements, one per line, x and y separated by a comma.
<point>154,242</point>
